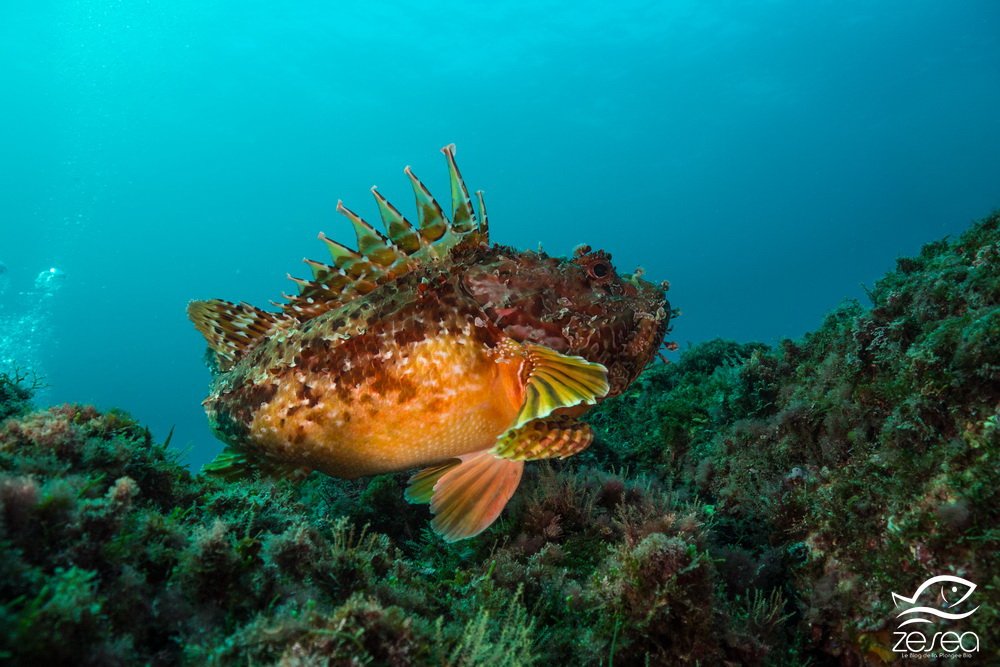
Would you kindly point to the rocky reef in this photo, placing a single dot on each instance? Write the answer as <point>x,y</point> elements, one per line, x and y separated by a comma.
<point>746,505</point>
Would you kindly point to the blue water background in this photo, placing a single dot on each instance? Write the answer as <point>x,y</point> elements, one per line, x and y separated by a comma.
<point>767,158</point>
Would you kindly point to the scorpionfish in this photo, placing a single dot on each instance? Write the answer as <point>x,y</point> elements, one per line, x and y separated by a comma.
<point>428,347</point>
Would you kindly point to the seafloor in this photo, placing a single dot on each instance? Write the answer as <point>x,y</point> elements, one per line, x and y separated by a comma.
<point>746,505</point>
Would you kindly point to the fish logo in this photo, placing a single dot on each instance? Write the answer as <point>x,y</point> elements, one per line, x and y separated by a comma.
<point>948,588</point>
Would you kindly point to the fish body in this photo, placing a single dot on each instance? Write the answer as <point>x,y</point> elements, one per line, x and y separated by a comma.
<point>389,384</point>
<point>429,348</point>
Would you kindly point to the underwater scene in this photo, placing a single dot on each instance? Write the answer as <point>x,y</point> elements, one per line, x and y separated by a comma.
<point>638,333</point>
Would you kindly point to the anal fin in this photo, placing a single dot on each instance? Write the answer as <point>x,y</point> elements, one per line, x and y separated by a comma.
<point>552,438</point>
<point>468,496</point>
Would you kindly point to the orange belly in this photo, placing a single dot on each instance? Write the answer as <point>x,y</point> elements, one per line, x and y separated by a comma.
<point>433,400</point>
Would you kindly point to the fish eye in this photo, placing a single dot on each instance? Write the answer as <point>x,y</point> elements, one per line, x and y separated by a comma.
<point>599,270</point>
<point>597,266</point>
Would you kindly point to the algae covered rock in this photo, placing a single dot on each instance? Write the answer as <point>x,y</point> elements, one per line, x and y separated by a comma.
<point>847,466</point>
<point>114,554</point>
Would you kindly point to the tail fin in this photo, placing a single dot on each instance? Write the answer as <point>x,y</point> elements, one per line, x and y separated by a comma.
<point>232,329</point>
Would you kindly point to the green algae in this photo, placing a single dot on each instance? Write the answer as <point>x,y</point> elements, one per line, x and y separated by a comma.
<point>16,390</point>
<point>748,503</point>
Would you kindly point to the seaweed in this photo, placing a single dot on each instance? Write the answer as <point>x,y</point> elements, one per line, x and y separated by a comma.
<point>17,387</point>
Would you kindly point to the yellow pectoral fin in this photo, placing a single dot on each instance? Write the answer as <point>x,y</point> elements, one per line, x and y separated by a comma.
<point>234,465</point>
<point>469,496</point>
<point>551,438</point>
<point>558,380</point>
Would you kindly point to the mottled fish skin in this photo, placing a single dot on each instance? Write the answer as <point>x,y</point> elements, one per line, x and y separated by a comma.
<point>429,347</point>
<point>375,385</point>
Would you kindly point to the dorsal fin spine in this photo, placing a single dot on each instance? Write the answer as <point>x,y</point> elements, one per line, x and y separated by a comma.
<point>463,218</point>
<point>430,217</point>
<point>371,243</point>
<point>349,261</point>
<point>400,230</point>
<point>340,253</point>
<point>319,269</point>
<point>484,225</point>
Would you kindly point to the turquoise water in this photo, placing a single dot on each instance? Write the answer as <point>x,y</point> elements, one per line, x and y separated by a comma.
<point>769,159</point>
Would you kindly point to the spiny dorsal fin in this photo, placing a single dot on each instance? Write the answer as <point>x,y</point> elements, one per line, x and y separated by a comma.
<point>233,328</point>
<point>380,258</point>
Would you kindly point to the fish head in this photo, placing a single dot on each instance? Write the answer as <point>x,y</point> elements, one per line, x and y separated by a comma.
<point>580,305</point>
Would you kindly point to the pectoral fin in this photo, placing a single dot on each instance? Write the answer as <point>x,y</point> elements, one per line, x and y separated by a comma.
<point>234,464</point>
<point>550,438</point>
<point>466,497</point>
<point>558,380</point>
<point>420,488</point>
